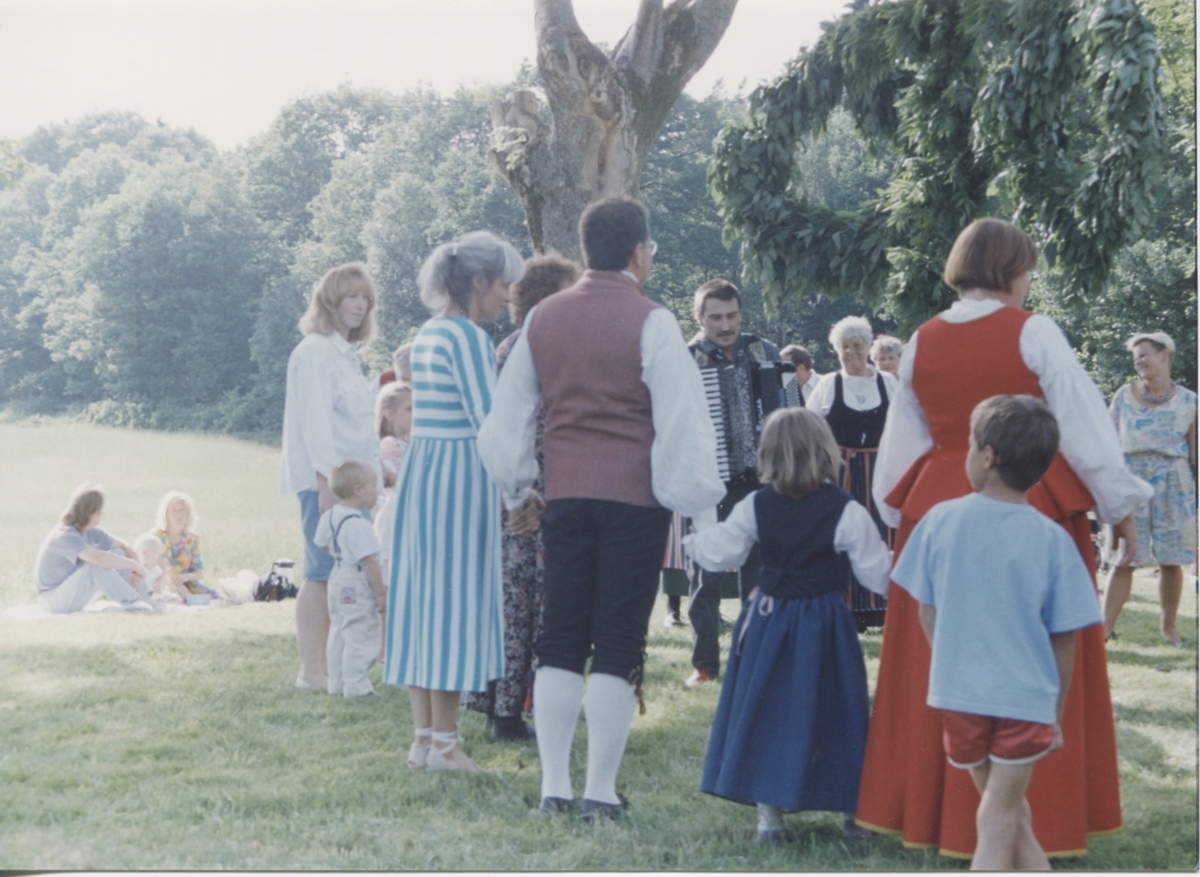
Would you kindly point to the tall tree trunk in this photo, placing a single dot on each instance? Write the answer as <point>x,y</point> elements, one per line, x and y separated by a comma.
<point>602,112</point>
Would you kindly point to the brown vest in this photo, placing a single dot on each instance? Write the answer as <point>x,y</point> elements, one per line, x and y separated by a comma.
<point>586,343</point>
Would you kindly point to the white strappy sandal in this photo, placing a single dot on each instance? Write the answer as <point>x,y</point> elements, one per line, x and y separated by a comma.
<point>444,754</point>
<point>418,753</point>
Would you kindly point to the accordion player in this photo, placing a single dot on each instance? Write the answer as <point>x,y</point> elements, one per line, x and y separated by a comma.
<point>768,391</point>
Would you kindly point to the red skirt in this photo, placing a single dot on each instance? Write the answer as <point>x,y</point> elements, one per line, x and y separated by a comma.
<point>908,788</point>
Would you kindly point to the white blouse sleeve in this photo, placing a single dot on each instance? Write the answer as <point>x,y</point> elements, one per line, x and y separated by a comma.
<point>727,544</point>
<point>508,433</point>
<point>683,455</point>
<point>1088,440</point>
<point>857,536</point>
<point>820,399</point>
<point>308,440</point>
<point>905,437</point>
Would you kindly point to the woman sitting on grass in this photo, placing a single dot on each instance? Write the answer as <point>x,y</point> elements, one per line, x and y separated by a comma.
<point>174,525</point>
<point>78,560</point>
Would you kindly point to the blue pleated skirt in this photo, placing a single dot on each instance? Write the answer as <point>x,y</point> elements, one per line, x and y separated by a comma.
<point>791,724</point>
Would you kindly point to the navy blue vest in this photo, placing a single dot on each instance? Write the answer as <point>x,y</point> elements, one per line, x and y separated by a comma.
<point>796,535</point>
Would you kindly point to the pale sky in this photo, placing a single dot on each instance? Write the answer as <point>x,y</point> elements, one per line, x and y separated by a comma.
<point>226,67</point>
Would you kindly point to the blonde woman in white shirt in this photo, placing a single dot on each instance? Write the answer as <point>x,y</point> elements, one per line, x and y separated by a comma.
<point>328,417</point>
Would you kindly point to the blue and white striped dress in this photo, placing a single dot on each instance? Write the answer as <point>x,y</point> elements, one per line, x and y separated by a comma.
<point>445,624</point>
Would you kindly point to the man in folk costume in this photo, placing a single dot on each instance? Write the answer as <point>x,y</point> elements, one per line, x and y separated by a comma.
<point>627,440</point>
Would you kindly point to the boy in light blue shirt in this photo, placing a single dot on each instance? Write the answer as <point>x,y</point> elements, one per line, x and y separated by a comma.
<point>1002,590</point>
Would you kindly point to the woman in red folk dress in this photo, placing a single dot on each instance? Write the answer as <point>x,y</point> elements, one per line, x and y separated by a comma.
<point>985,345</point>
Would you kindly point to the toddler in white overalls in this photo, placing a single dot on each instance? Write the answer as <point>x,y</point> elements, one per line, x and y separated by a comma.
<point>357,597</point>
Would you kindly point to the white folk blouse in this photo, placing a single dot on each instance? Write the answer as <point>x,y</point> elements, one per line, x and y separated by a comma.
<point>1087,440</point>
<point>728,544</point>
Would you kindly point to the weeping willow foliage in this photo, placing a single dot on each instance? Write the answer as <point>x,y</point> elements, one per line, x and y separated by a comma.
<point>1046,113</point>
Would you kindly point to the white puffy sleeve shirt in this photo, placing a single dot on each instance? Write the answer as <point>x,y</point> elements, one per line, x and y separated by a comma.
<point>683,456</point>
<point>820,398</point>
<point>329,412</point>
<point>728,544</point>
<point>1088,440</point>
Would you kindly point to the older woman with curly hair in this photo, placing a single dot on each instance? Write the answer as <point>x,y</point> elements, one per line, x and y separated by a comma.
<point>854,400</point>
<point>328,417</point>
<point>504,701</point>
<point>1156,420</point>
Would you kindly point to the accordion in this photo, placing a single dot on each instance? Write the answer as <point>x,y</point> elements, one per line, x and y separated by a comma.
<point>768,391</point>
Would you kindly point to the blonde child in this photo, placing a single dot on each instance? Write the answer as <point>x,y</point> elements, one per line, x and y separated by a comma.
<point>150,552</point>
<point>791,723</point>
<point>357,597</point>
<point>393,422</point>
<point>1002,591</point>
<point>175,526</point>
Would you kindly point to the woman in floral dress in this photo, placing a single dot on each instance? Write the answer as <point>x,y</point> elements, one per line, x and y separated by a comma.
<point>1156,419</point>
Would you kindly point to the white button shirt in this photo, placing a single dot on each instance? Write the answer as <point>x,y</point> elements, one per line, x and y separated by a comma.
<point>329,413</point>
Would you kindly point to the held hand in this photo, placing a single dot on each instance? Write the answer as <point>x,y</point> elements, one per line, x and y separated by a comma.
<point>524,520</point>
<point>1127,530</point>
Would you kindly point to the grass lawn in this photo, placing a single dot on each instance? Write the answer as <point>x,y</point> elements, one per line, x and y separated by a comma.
<point>175,741</point>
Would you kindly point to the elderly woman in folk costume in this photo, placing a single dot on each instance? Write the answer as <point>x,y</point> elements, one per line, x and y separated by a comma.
<point>855,400</point>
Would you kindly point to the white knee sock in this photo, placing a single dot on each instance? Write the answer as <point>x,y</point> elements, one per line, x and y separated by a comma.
<point>769,818</point>
<point>609,705</point>
<point>557,697</point>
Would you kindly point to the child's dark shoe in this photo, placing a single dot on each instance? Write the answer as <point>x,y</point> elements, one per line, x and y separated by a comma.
<point>853,831</point>
<point>776,836</point>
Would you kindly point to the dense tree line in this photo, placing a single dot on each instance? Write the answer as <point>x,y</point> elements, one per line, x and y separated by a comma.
<point>148,279</point>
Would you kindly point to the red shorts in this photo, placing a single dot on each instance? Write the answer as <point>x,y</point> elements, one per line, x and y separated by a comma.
<point>970,739</point>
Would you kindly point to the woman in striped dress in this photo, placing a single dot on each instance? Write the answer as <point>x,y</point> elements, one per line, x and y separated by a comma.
<point>445,611</point>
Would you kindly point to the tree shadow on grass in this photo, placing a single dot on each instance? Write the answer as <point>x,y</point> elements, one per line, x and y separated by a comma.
<point>1165,659</point>
<point>1182,718</point>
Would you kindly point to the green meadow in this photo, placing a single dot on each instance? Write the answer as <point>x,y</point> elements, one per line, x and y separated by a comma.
<point>176,741</point>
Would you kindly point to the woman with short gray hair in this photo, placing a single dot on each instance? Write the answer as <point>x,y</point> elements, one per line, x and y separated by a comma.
<point>445,628</point>
<point>885,353</point>
<point>854,400</point>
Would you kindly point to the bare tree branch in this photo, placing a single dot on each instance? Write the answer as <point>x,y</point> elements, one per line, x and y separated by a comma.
<point>639,50</point>
<point>604,112</point>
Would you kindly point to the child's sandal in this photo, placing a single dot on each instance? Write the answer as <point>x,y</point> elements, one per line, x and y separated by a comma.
<point>418,753</point>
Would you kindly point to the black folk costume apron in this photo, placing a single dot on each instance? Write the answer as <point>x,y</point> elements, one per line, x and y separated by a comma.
<point>857,434</point>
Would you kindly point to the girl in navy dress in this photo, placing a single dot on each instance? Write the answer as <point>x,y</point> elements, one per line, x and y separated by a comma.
<point>791,724</point>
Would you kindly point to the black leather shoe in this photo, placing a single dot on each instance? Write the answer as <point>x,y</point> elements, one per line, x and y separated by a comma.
<point>589,809</point>
<point>556,805</point>
<point>508,728</point>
